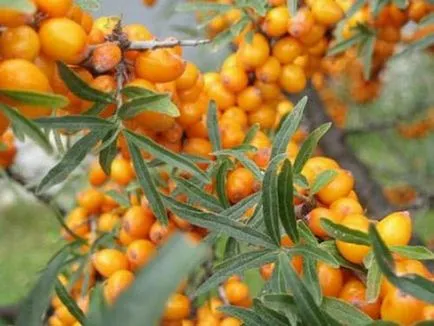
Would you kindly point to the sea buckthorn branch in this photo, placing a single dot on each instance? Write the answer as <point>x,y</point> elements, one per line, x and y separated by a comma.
<point>165,43</point>
<point>333,144</point>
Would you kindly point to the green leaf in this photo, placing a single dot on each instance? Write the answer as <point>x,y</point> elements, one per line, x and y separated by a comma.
<point>71,160</point>
<point>236,211</point>
<point>147,183</point>
<point>249,317</point>
<point>160,103</point>
<point>343,233</point>
<point>134,92</point>
<point>355,7</point>
<point>26,126</point>
<point>382,323</point>
<point>414,252</point>
<point>344,312</point>
<point>80,88</point>
<point>219,223</point>
<point>260,6</point>
<point>421,44</point>
<point>411,284</point>
<point>172,159</point>
<point>309,312</point>
<point>121,198</point>
<point>251,133</point>
<point>427,20</point>
<point>197,194</point>
<point>36,304</point>
<point>95,109</point>
<point>289,126</point>
<point>74,122</point>
<point>310,278</point>
<point>309,146</point>
<point>292,7</point>
<point>314,252</point>
<point>270,199</point>
<point>213,127</point>
<point>271,316</point>
<point>322,179</point>
<point>243,159</point>
<point>366,54</point>
<point>97,306</point>
<point>306,234</point>
<point>225,38</point>
<point>69,302</point>
<point>221,176</point>
<point>346,44</point>
<point>203,6</point>
<point>24,6</point>
<point>373,283</point>
<point>285,303</point>
<point>286,201</point>
<point>160,277</point>
<point>108,154</point>
<point>236,265</point>
<point>53,101</point>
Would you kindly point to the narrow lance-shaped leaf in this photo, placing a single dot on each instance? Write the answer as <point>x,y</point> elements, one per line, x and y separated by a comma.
<point>26,127</point>
<point>236,211</point>
<point>344,233</point>
<point>36,304</point>
<point>249,317</point>
<point>344,312</point>
<point>346,44</point>
<point>160,103</point>
<point>292,7</point>
<point>69,302</point>
<point>414,252</point>
<point>251,133</point>
<point>219,223</point>
<point>172,159</point>
<point>310,278</point>
<point>308,309</point>
<point>286,201</point>
<point>160,277</point>
<point>289,126</point>
<point>97,306</point>
<point>95,109</point>
<point>108,154</point>
<point>53,101</point>
<point>147,183</point>
<point>71,160</point>
<point>306,234</point>
<point>213,127</point>
<point>323,179</point>
<point>74,122</point>
<point>309,146</point>
<point>225,37</point>
<point>80,88</point>
<point>271,316</point>
<point>243,159</point>
<point>121,198</point>
<point>221,177</point>
<point>366,53</point>
<point>313,251</point>
<point>270,199</point>
<point>237,265</point>
<point>373,282</point>
<point>134,91</point>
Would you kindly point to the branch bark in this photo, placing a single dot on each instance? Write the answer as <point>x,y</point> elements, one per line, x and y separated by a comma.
<point>334,145</point>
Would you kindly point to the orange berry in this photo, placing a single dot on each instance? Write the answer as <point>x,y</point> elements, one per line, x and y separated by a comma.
<point>137,221</point>
<point>270,71</point>
<point>125,238</point>
<point>193,93</point>
<point>330,279</point>
<point>63,39</point>
<point>21,42</point>
<point>139,253</point>
<point>222,96</point>
<point>136,32</point>
<point>327,12</point>
<point>401,308</point>
<point>249,99</point>
<point>234,79</point>
<point>354,292</point>
<point>19,74</point>
<point>77,220</point>
<point>198,147</point>
<point>276,21</point>
<point>106,57</point>
<point>117,283</point>
<point>301,24</point>
<point>190,114</point>
<point>234,114</point>
<point>314,220</point>
<point>107,222</point>
<point>314,35</point>
<point>254,54</point>
<point>265,116</point>
<point>121,171</point>
<point>287,49</point>
<point>339,187</point>
<point>96,175</point>
<point>354,252</point>
<point>13,18</point>
<point>293,78</point>
<point>189,78</point>
<point>346,206</point>
<point>159,233</point>
<point>159,66</point>
<point>269,91</point>
<point>236,292</point>
<point>177,307</point>
<point>319,164</point>
<point>108,261</point>
<point>230,321</point>
<point>240,184</point>
<point>232,134</point>
<point>91,200</point>
<point>428,313</point>
<point>64,316</point>
<point>395,229</point>
<point>54,8</point>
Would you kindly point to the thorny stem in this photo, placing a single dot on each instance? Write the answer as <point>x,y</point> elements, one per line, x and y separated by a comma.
<point>166,43</point>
